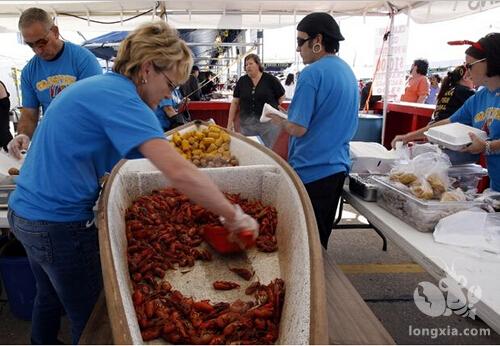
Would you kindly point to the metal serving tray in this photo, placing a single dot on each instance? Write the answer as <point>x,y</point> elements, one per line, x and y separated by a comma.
<point>5,191</point>
<point>361,185</point>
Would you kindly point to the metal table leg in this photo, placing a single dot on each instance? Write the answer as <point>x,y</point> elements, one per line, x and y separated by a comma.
<point>357,226</point>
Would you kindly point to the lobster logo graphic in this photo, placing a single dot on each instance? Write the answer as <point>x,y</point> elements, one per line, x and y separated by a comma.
<point>447,298</point>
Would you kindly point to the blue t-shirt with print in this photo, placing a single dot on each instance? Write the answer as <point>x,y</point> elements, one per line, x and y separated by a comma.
<point>85,132</point>
<point>173,101</point>
<point>42,80</point>
<point>326,103</point>
<point>483,112</point>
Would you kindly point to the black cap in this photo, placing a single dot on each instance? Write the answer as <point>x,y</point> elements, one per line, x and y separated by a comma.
<point>321,23</point>
<point>195,68</point>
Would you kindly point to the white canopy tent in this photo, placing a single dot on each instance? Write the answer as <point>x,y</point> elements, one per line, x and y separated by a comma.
<point>99,15</point>
<point>232,14</point>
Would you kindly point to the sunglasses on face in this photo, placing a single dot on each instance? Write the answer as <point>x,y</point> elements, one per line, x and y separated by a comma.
<point>301,41</point>
<point>39,43</point>
<point>468,66</point>
<point>170,84</point>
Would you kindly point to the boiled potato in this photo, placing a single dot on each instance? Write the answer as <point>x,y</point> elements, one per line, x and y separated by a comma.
<point>209,147</point>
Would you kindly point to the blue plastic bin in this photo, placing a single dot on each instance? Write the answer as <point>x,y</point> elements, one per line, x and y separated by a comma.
<point>18,279</point>
<point>369,128</point>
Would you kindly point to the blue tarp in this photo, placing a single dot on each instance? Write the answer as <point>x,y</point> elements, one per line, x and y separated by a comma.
<point>106,52</point>
<point>110,37</point>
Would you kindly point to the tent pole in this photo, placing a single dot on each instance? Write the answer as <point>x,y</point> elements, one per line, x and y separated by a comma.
<point>387,70</point>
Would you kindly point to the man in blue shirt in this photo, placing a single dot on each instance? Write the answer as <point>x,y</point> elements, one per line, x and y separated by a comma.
<point>55,66</point>
<point>322,117</point>
<point>170,111</point>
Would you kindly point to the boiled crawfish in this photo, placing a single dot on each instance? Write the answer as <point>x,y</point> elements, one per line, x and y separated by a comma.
<point>164,230</point>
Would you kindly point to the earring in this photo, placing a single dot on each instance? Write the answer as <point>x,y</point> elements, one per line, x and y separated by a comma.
<point>316,48</point>
<point>144,81</point>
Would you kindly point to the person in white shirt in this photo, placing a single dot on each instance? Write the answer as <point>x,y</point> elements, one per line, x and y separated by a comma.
<point>289,86</point>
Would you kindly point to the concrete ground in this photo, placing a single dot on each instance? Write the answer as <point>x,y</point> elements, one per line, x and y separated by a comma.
<point>14,331</point>
<point>385,280</point>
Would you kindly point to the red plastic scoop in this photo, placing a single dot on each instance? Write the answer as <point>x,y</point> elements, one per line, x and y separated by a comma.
<point>217,237</point>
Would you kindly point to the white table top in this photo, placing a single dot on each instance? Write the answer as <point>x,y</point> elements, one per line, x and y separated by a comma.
<point>479,268</point>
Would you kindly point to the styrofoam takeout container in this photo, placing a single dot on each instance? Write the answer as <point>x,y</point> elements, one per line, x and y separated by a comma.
<point>371,157</point>
<point>454,136</point>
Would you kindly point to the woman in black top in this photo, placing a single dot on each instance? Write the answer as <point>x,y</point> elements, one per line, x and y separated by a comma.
<point>5,135</point>
<point>251,92</point>
<point>456,88</point>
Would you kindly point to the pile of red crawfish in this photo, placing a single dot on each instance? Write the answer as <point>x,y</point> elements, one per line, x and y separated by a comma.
<point>164,231</point>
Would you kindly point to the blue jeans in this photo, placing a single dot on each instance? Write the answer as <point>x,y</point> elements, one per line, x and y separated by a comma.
<point>64,257</point>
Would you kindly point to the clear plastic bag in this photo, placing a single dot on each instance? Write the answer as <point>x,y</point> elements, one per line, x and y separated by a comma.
<point>473,228</point>
<point>411,150</point>
<point>427,169</point>
<point>456,195</point>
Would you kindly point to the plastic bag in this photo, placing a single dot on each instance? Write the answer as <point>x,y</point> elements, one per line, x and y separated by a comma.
<point>406,152</point>
<point>430,168</point>
<point>456,195</point>
<point>422,189</point>
<point>473,228</point>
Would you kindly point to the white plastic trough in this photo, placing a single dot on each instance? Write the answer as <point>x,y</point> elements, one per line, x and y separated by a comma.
<point>262,174</point>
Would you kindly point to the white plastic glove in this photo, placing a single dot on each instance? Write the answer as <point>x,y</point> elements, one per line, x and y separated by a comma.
<point>17,145</point>
<point>241,222</point>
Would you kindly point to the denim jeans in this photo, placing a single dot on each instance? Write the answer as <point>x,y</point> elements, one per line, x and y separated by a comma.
<point>64,257</point>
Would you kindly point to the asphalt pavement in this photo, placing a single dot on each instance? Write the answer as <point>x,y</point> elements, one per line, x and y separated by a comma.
<point>387,280</point>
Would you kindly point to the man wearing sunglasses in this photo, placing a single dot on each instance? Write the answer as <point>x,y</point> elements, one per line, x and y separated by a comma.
<point>55,66</point>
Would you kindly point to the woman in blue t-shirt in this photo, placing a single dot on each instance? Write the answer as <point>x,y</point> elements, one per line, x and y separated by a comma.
<point>322,117</point>
<point>482,61</point>
<point>87,129</point>
<point>170,111</point>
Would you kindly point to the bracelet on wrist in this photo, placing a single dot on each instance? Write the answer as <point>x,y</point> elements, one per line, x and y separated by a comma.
<point>488,150</point>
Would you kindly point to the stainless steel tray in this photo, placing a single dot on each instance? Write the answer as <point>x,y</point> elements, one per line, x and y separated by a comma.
<point>361,185</point>
<point>5,191</point>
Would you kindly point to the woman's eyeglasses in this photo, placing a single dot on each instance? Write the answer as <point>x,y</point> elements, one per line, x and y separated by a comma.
<point>39,43</point>
<point>468,66</point>
<point>301,41</point>
<point>170,84</point>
